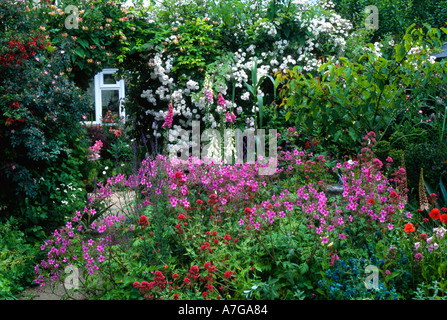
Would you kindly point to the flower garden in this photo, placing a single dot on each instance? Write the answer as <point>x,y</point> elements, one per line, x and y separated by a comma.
<point>140,208</point>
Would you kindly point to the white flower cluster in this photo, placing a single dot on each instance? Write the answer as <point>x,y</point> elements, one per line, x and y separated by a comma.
<point>322,27</point>
<point>376,51</point>
<point>266,27</point>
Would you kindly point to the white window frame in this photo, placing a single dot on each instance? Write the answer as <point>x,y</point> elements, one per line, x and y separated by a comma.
<point>100,86</point>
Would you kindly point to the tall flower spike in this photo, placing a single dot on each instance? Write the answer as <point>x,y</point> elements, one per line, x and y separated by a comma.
<point>422,195</point>
<point>169,116</point>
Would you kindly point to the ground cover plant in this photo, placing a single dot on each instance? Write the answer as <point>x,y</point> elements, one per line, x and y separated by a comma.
<point>113,211</point>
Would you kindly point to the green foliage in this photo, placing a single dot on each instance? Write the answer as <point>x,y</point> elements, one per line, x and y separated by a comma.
<point>101,37</point>
<point>17,259</point>
<point>395,16</point>
<point>40,129</point>
<point>379,93</point>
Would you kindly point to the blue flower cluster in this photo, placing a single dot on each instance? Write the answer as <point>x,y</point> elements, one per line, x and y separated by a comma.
<point>345,281</point>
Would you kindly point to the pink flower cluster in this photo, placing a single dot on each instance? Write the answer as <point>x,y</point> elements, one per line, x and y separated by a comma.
<point>67,246</point>
<point>220,100</point>
<point>95,150</point>
<point>231,117</point>
<point>363,182</point>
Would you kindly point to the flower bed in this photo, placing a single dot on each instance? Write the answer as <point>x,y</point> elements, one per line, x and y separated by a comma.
<point>212,231</point>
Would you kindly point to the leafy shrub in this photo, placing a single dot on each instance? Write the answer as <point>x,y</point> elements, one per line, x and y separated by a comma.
<point>376,93</point>
<point>394,17</point>
<point>99,39</point>
<point>40,130</point>
<point>17,258</point>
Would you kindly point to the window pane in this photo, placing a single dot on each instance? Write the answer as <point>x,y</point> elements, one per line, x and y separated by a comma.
<point>110,102</point>
<point>90,116</point>
<point>108,79</point>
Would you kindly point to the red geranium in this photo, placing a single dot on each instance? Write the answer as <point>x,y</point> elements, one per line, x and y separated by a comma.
<point>443,218</point>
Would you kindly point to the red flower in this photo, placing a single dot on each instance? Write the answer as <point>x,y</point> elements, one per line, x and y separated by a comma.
<point>176,296</point>
<point>236,240</point>
<point>198,201</point>
<point>227,237</point>
<point>247,210</point>
<point>393,196</point>
<point>423,236</point>
<point>204,246</point>
<point>207,265</point>
<point>136,284</point>
<point>212,269</point>
<point>178,175</point>
<point>371,201</point>
<point>214,233</point>
<point>435,214</point>
<point>228,274</point>
<point>204,294</point>
<point>216,241</point>
<point>409,228</point>
<point>143,221</point>
<point>181,216</point>
<point>443,218</point>
<point>175,275</point>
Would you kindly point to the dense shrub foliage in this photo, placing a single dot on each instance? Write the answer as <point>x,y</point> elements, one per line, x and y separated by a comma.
<point>395,16</point>
<point>41,141</point>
